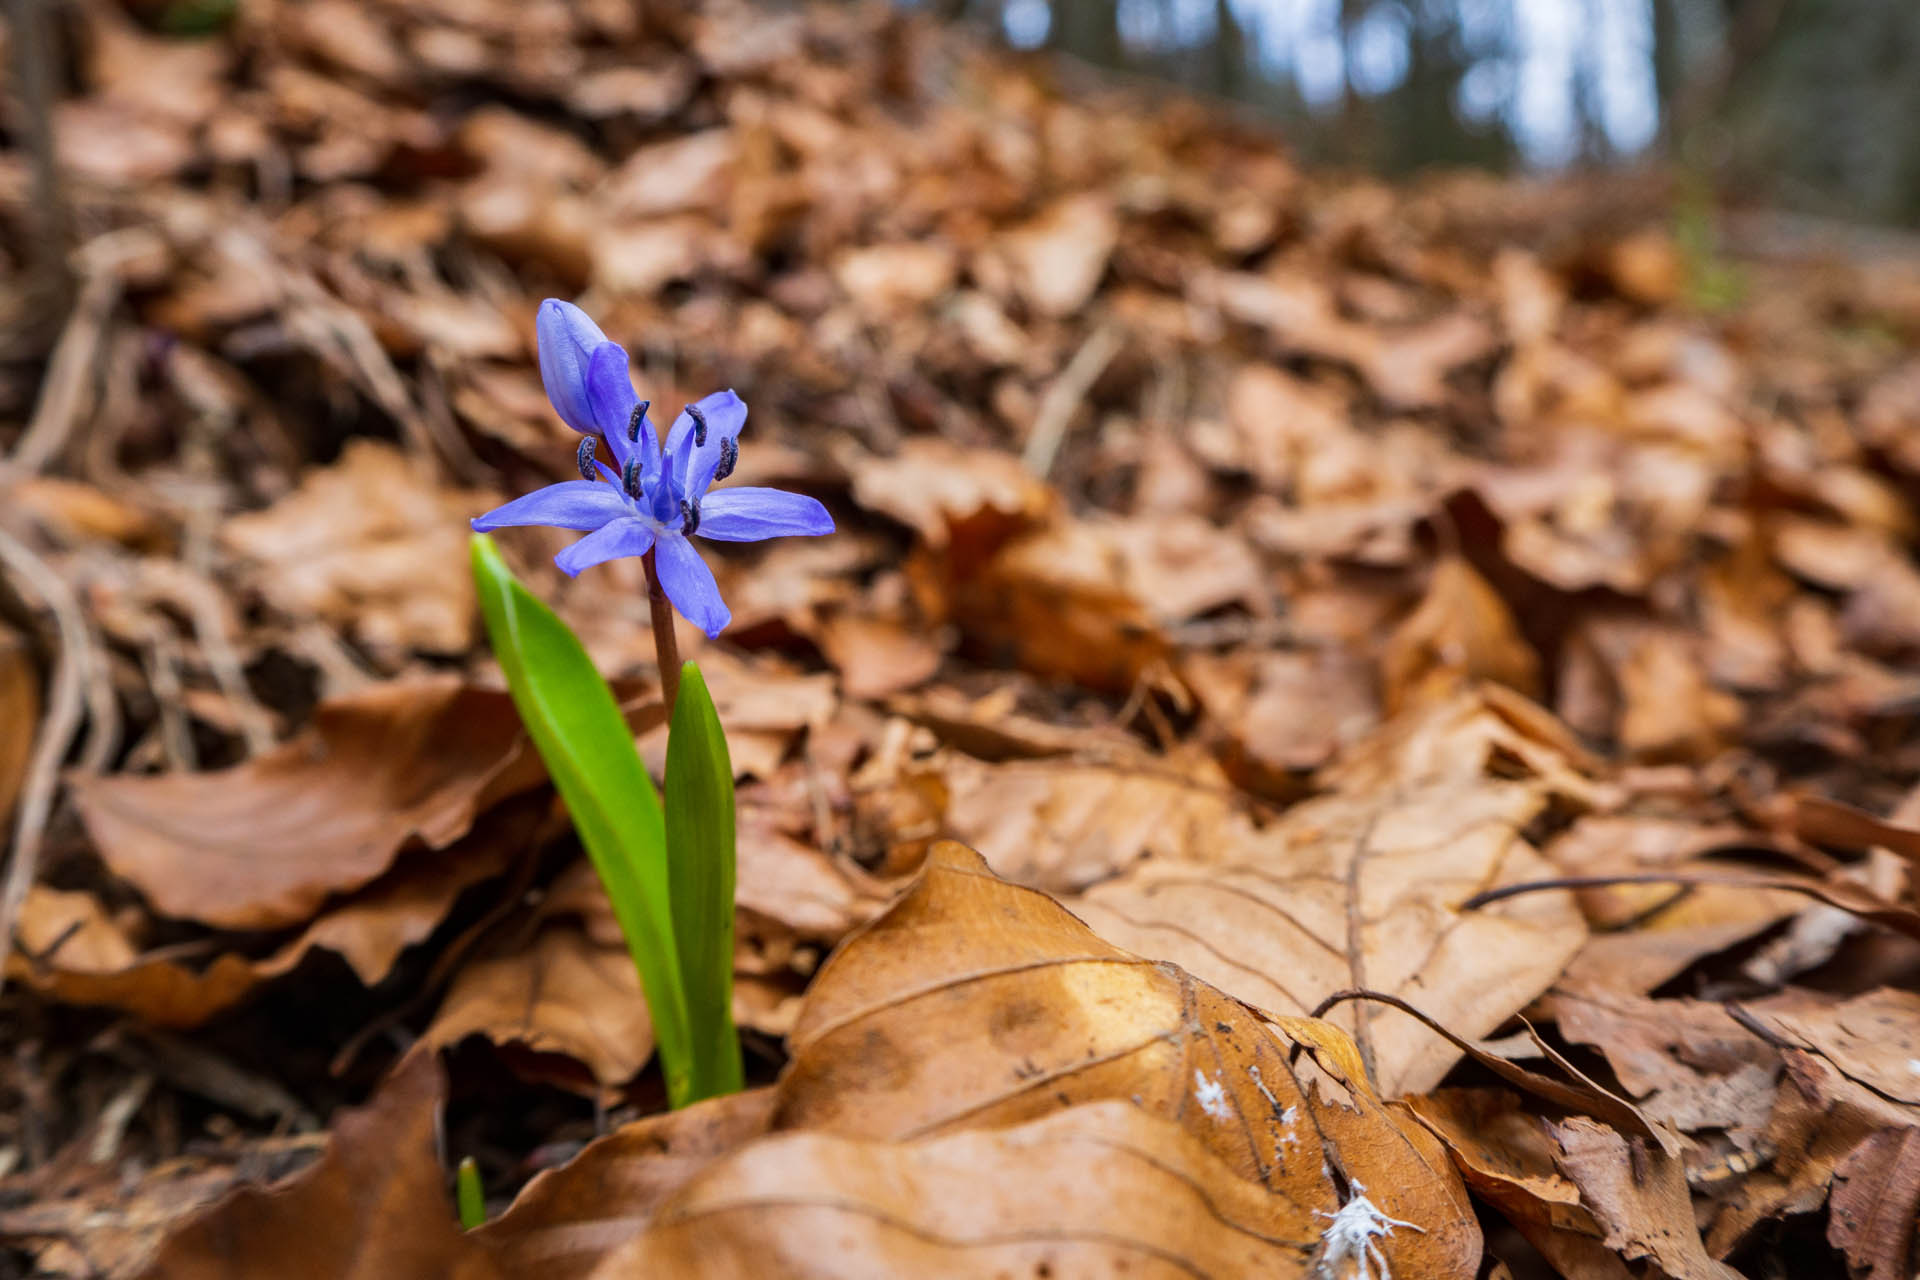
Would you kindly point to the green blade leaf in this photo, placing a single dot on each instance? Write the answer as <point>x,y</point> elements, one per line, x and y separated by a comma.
<point>468,1196</point>
<point>700,834</point>
<point>576,725</point>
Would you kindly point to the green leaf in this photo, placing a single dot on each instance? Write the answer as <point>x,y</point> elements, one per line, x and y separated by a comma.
<point>467,1194</point>
<point>576,725</point>
<point>699,793</point>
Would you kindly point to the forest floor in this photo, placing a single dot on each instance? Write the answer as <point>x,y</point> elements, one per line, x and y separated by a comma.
<point>1253,586</point>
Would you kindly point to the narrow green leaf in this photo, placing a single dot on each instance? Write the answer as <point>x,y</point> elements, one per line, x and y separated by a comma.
<point>576,725</point>
<point>699,794</point>
<point>467,1194</point>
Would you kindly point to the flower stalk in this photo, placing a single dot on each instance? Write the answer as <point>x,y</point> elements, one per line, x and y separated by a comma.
<point>666,646</point>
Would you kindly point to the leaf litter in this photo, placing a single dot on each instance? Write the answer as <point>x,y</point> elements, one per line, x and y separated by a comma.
<point>1317,587</point>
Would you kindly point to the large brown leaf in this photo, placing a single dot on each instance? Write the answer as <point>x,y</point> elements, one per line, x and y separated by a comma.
<point>975,1003</point>
<point>1363,887</point>
<point>375,1208</point>
<point>261,845</point>
<point>76,952</point>
<point>1096,1190</point>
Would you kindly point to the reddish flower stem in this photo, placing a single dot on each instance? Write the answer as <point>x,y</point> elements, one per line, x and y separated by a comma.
<point>665,646</point>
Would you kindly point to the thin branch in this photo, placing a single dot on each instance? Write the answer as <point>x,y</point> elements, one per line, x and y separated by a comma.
<point>57,729</point>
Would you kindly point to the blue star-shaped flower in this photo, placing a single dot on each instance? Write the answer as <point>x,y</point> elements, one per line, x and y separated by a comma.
<point>657,500</point>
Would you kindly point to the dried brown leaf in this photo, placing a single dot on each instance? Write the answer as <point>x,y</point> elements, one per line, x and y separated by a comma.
<point>1363,888</point>
<point>1638,1196</point>
<point>375,1206</point>
<point>370,545</point>
<point>565,996</point>
<point>567,1219</point>
<point>1034,1014</point>
<point>263,844</point>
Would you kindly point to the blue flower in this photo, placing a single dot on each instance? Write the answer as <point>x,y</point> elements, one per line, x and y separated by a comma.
<point>657,499</point>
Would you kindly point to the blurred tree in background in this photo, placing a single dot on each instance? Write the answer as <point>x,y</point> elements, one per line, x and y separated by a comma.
<point>1807,103</point>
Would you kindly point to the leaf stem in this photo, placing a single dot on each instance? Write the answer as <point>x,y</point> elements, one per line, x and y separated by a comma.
<point>666,648</point>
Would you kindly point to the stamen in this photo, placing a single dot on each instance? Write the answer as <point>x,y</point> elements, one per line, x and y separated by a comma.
<point>699,426</point>
<point>630,477</point>
<point>689,516</point>
<point>584,457</point>
<point>729,457</point>
<point>634,420</point>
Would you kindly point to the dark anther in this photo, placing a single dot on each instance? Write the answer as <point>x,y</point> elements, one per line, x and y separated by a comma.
<point>634,420</point>
<point>584,458</point>
<point>689,517</point>
<point>729,457</point>
<point>630,477</point>
<point>699,426</point>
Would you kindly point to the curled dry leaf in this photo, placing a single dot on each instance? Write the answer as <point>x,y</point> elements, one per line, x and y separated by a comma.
<point>376,1205</point>
<point>1284,713</point>
<point>1638,1196</point>
<point>77,953</point>
<point>1506,1158</point>
<point>1055,261</point>
<point>369,545</point>
<point>1060,602</point>
<point>965,502</point>
<point>1364,886</point>
<point>1061,826</point>
<point>977,1004</point>
<point>567,1219</point>
<point>1874,1200</point>
<point>1096,1190</point>
<point>1461,631</point>
<point>261,845</point>
<point>1820,1118</point>
<point>565,995</point>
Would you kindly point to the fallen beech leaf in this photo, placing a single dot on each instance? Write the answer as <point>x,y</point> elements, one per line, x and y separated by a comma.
<point>1033,1014</point>
<point>1877,1189</point>
<point>375,1206</point>
<point>886,279</point>
<point>1285,713</point>
<point>1096,1190</point>
<point>1873,1038</point>
<point>1462,630</point>
<point>567,1219</point>
<point>365,545</point>
<point>1060,602</point>
<point>81,956</point>
<point>261,845</point>
<point>1181,566</point>
<point>1505,1156</point>
<point>1363,888</point>
<point>877,657</point>
<point>965,502</point>
<point>1061,826</point>
<point>1686,1063</point>
<point>564,995</point>
<point>1638,1195</point>
<point>1057,260</point>
<point>1819,1118</point>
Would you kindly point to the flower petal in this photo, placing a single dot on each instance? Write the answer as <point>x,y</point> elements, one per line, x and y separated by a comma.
<point>629,537</point>
<point>571,504</point>
<point>750,514</point>
<point>690,464</point>
<point>568,340</point>
<point>610,391</point>
<point>690,585</point>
